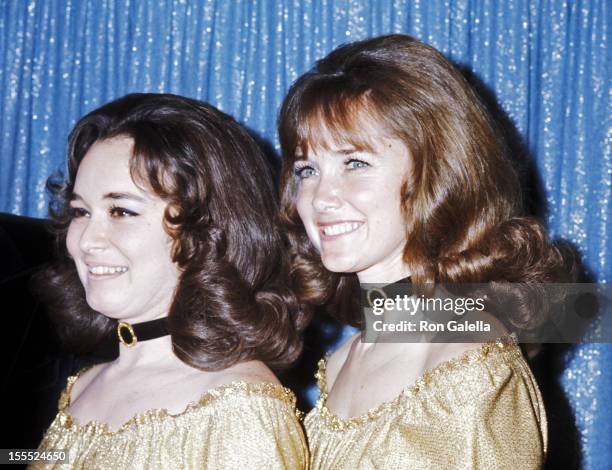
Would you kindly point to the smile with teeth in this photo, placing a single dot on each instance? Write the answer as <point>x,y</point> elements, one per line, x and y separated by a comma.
<point>340,229</point>
<point>99,270</point>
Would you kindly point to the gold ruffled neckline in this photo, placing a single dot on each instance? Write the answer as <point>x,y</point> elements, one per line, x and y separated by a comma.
<point>507,345</point>
<point>267,389</point>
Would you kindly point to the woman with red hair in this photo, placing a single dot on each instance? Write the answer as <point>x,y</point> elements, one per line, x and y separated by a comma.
<point>393,170</point>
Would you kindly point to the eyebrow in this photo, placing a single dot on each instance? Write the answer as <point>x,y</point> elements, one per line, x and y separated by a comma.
<point>349,151</point>
<point>114,196</point>
<point>131,196</point>
<point>343,152</point>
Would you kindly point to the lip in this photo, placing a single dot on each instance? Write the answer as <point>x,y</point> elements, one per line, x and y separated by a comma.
<point>342,228</point>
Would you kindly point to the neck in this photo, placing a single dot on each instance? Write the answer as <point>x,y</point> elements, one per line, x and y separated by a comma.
<point>153,344</point>
<point>156,351</point>
<point>389,271</point>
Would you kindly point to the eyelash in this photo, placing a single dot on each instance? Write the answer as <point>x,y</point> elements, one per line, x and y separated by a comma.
<point>77,212</point>
<point>355,160</point>
<point>299,171</point>
<point>115,212</point>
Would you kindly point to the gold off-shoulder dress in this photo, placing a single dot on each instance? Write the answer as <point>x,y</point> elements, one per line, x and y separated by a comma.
<point>238,426</point>
<point>480,411</point>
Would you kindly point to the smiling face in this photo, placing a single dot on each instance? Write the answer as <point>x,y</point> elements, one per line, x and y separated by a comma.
<point>116,237</point>
<point>349,202</point>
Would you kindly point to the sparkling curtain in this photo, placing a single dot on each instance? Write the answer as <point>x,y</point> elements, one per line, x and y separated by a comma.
<point>544,62</point>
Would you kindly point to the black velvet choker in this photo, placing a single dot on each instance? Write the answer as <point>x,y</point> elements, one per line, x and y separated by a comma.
<point>370,292</point>
<point>129,336</point>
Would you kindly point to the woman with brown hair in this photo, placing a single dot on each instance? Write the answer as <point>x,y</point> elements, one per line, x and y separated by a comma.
<point>171,255</point>
<point>393,170</point>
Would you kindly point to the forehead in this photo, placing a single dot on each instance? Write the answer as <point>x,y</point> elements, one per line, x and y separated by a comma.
<point>360,132</point>
<point>106,168</point>
<point>107,159</point>
<point>368,138</point>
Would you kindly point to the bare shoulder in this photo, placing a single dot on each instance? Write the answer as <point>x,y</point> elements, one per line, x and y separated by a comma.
<point>190,386</point>
<point>448,352</point>
<point>85,378</point>
<point>250,372</point>
<point>443,352</point>
<point>337,359</point>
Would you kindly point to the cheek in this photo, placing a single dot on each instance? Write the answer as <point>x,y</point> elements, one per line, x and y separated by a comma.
<point>166,250</point>
<point>158,250</point>
<point>393,218</point>
<point>373,201</point>
<point>303,205</point>
<point>382,206</point>
<point>72,239</point>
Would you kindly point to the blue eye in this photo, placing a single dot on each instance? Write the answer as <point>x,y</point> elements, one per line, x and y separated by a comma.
<point>120,212</point>
<point>304,172</point>
<point>354,164</point>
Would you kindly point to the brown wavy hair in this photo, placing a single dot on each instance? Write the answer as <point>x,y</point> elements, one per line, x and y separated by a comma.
<point>461,202</point>
<point>232,303</point>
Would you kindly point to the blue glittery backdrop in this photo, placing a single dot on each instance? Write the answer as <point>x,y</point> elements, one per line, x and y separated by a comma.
<point>546,63</point>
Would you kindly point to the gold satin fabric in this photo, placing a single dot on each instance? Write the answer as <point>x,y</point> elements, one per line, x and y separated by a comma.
<point>238,426</point>
<point>480,411</point>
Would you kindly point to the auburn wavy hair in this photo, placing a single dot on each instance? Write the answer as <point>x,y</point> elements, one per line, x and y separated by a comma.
<point>462,200</point>
<point>232,302</point>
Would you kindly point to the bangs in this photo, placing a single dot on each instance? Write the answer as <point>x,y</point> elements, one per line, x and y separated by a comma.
<point>332,120</point>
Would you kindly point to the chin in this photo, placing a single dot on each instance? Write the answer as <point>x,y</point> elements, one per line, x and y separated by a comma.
<point>106,307</point>
<point>337,264</point>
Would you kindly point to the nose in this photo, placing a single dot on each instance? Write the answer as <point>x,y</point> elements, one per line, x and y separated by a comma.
<point>327,195</point>
<point>94,236</point>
